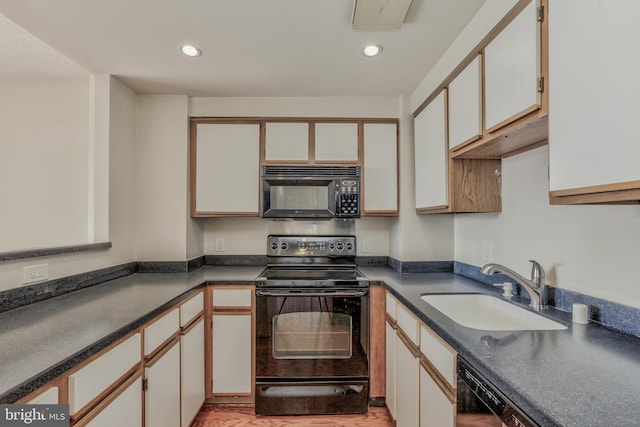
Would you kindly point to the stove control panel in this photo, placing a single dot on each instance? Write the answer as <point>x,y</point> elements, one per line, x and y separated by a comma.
<point>302,246</point>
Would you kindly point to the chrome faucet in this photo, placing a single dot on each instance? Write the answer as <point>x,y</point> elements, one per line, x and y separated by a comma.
<point>536,287</point>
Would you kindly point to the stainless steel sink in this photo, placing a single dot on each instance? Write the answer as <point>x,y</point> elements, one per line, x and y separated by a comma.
<point>486,312</point>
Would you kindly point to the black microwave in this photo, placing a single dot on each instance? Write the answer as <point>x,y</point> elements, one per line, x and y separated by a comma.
<point>311,191</point>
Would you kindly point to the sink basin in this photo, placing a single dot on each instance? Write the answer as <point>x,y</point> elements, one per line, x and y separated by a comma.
<point>485,312</point>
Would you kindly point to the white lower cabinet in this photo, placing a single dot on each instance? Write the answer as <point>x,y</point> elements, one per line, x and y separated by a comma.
<point>192,372</point>
<point>407,386</point>
<point>232,372</point>
<point>123,411</point>
<point>420,371</point>
<point>390,368</point>
<point>162,394</point>
<point>436,410</point>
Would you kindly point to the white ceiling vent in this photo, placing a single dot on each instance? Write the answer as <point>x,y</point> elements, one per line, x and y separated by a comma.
<point>379,14</point>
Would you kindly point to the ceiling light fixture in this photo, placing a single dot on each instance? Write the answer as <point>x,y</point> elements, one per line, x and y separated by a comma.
<point>372,50</point>
<point>190,50</point>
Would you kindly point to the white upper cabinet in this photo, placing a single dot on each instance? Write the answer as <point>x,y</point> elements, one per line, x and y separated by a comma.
<point>381,168</point>
<point>594,148</point>
<point>465,105</point>
<point>336,142</point>
<point>287,142</point>
<point>431,155</point>
<point>227,169</point>
<point>512,68</point>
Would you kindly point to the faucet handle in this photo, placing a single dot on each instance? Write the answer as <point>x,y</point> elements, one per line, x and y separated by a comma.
<point>537,273</point>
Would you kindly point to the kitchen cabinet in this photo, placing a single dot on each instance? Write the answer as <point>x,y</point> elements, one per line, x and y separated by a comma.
<point>445,184</point>
<point>407,369</point>
<point>286,142</point>
<point>122,408</point>
<point>498,101</point>
<point>232,341</point>
<point>95,380</point>
<point>431,155</point>
<point>380,183</point>
<point>465,105</point>
<point>225,165</point>
<point>45,396</point>
<point>512,69</point>
<point>593,135</point>
<point>336,142</point>
<point>192,358</point>
<point>390,353</point>
<point>437,381</point>
<point>162,387</point>
<point>161,347</point>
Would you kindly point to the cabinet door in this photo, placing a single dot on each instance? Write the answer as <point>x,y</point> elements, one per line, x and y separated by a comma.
<point>390,373</point>
<point>593,130</point>
<point>192,372</point>
<point>381,167</point>
<point>431,155</point>
<point>511,64</point>
<point>48,397</point>
<point>162,397</point>
<point>286,142</point>
<point>227,169</point>
<point>232,354</point>
<point>408,387</point>
<point>102,373</point>
<point>435,408</point>
<point>125,410</point>
<point>336,142</point>
<point>465,105</point>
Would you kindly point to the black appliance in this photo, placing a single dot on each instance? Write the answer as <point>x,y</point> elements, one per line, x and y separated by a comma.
<point>479,403</point>
<point>311,192</point>
<point>312,328</point>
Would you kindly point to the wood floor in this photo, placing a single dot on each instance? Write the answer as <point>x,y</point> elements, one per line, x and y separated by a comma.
<point>232,415</point>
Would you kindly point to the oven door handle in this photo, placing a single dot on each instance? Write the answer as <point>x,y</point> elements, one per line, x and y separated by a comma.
<point>311,293</point>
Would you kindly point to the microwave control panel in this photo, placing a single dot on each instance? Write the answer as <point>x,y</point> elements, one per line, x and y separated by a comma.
<point>348,199</point>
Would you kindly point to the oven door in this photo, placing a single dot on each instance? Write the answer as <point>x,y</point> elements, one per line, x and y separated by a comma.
<point>312,351</point>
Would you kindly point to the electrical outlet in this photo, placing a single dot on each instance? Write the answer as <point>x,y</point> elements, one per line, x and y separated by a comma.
<point>35,273</point>
<point>219,244</point>
<point>487,250</point>
<point>366,244</point>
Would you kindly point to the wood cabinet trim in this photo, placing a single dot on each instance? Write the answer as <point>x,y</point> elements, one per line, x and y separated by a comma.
<point>442,384</point>
<point>192,323</point>
<point>408,343</point>
<point>377,342</point>
<point>162,349</point>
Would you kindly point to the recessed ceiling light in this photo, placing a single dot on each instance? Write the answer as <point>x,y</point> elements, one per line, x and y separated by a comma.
<point>372,50</point>
<point>190,50</point>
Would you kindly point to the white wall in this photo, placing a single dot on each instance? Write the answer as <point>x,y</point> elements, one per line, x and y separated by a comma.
<point>122,124</point>
<point>44,128</point>
<point>588,249</point>
<point>162,177</point>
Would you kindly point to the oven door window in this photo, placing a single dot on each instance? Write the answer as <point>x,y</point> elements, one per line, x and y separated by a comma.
<point>311,335</point>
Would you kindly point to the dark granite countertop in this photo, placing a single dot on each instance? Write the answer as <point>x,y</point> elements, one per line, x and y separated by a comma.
<point>586,375</point>
<point>40,341</point>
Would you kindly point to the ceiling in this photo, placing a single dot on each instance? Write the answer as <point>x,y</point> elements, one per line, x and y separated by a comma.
<point>250,47</point>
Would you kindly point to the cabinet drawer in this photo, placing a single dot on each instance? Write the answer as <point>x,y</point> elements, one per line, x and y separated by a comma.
<point>392,306</point>
<point>94,378</point>
<point>191,308</point>
<point>438,353</point>
<point>232,297</point>
<point>48,397</point>
<point>160,330</point>
<point>409,324</point>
